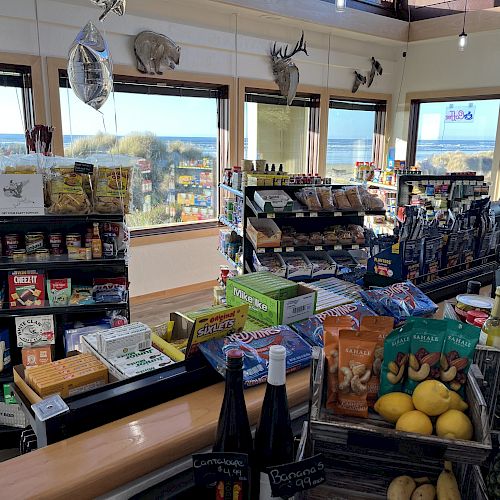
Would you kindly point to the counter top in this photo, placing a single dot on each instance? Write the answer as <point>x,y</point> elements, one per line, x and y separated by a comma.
<point>105,458</point>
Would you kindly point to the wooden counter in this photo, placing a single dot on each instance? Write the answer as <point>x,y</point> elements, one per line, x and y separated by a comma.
<point>105,458</point>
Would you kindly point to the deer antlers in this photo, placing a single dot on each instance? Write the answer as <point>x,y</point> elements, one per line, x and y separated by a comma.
<point>300,46</point>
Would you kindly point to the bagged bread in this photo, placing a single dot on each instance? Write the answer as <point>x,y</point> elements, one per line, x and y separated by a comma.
<point>325,197</point>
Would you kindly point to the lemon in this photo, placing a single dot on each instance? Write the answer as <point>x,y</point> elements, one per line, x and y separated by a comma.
<point>415,421</point>
<point>391,406</point>
<point>456,402</point>
<point>432,397</point>
<point>453,424</point>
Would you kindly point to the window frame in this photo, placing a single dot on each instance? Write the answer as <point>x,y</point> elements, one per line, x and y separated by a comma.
<point>55,65</point>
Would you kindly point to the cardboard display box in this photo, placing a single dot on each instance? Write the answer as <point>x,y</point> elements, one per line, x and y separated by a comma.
<point>263,232</point>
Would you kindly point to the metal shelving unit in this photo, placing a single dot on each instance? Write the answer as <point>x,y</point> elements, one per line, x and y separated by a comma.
<point>225,187</point>
<point>237,230</point>
<point>231,261</point>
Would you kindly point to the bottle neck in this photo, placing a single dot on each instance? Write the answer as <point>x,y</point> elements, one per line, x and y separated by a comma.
<point>277,372</point>
<point>495,312</point>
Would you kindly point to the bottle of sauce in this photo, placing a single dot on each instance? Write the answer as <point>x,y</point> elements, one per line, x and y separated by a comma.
<point>96,242</point>
<point>491,327</point>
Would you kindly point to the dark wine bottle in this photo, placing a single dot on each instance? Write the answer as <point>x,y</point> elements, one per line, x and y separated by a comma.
<point>233,430</point>
<point>274,437</point>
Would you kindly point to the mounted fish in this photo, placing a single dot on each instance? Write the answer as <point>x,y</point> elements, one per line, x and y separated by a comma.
<point>115,6</point>
<point>154,51</point>
<point>375,69</point>
<point>90,69</point>
<point>359,79</point>
<point>285,72</point>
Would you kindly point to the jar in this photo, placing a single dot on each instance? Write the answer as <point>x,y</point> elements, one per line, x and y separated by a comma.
<point>88,238</point>
<point>109,249</point>
<point>56,243</point>
<point>42,254</point>
<point>34,241</point>
<point>74,240</point>
<point>19,255</point>
<point>12,242</point>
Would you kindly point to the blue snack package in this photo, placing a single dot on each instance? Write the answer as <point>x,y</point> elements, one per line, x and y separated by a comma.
<point>4,350</point>
<point>401,301</point>
<point>255,346</point>
<point>311,329</point>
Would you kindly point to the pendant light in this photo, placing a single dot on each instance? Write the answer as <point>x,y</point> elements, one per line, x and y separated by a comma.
<point>462,38</point>
<point>340,5</point>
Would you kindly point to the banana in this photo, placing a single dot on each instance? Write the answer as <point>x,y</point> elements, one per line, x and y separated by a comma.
<point>447,487</point>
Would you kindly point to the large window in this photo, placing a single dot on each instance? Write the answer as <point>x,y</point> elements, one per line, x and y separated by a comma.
<point>282,134</point>
<point>453,136</point>
<point>168,132</point>
<point>355,134</point>
<point>16,108</point>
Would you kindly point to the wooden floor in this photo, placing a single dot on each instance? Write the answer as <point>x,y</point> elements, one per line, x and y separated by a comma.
<point>155,312</point>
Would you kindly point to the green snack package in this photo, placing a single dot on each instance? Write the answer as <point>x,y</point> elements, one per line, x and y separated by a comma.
<point>458,353</point>
<point>427,339</point>
<point>396,351</point>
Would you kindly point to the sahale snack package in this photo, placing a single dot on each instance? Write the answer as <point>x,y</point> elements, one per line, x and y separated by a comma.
<point>311,328</point>
<point>401,301</point>
<point>255,346</point>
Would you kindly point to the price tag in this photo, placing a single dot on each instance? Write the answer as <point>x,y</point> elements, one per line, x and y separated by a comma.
<point>361,214</point>
<point>318,248</point>
<point>313,214</point>
<point>355,247</point>
<point>261,250</point>
<point>209,468</point>
<point>277,250</point>
<point>337,247</point>
<point>337,214</point>
<point>83,168</point>
<point>289,249</point>
<point>299,214</point>
<point>288,479</point>
<point>271,216</point>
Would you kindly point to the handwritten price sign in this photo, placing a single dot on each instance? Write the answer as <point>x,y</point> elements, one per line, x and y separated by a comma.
<point>212,467</point>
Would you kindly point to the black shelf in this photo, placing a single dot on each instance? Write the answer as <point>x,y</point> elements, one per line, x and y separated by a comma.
<point>307,248</point>
<point>60,262</point>
<point>62,219</point>
<point>10,437</point>
<point>60,310</point>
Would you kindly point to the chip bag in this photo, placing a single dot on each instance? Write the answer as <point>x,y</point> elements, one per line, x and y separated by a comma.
<point>332,326</point>
<point>355,369</point>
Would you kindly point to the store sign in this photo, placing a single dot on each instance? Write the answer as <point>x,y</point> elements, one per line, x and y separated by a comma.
<point>21,195</point>
<point>460,113</point>
<point>288,479</point>
<point>209,468</point>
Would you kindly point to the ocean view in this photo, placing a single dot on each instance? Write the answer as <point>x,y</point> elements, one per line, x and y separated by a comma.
<point>339,151</point>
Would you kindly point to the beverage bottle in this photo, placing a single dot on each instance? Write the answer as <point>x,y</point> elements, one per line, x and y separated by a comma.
<point>273,168</point>
<point>274,436</point>
<point>96,243</point>
<point>491,327</point>
<point>280,169</point>
<point>233,430</point>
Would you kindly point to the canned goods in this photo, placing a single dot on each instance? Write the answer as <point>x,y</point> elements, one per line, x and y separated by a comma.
<point>42,254</point>
<point>34,241</point>
<point>74,240</point>
<point>12,242</point>
<point>56,244</point>
<point>19,255</point>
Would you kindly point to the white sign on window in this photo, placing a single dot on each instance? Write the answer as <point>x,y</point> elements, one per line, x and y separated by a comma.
<point>459,113</point>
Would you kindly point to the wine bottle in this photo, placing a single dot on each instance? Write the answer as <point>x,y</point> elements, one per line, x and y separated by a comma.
<point>233,430</point>
<point>491,327</point>
<point>274,437</point>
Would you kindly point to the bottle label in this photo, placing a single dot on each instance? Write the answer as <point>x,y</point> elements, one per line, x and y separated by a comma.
<point>227,490</point>
<point>265,487</point>
<point>496,341</point>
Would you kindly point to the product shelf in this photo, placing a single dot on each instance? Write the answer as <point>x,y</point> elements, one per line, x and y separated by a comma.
<point>380,185</point>
<point>59,262</point>
<point>231,261</point>
<point>62,310</point>
<point>60,219</point>
<point>231,190</point>
<point>307,248</point>
<point>9,437</point>
<point>237,230</point>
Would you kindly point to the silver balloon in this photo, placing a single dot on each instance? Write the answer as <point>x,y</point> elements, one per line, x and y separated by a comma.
<point>90,69</point>
<point>115,6</point>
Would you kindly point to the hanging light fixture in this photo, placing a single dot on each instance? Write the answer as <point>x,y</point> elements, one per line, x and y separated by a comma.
<point>462,38</point>
<point>340,5</point>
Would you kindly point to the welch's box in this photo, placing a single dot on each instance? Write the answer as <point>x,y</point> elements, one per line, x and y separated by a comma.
<point>268,303</point>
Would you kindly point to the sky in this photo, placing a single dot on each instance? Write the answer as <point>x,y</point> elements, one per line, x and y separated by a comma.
<point>346,124</point>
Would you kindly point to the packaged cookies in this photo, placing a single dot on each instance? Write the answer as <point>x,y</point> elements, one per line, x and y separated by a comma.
<point>112,190</point>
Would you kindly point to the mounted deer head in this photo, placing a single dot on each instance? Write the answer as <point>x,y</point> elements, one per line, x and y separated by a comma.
<point>286,74</point>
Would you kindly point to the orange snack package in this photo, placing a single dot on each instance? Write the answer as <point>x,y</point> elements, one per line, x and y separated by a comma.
<point>356,356</point>
<point>376,328</point>
<point>331,327</point>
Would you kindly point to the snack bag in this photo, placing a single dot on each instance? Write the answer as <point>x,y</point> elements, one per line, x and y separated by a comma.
<point>458,352</point>
<point>376,328</point>
<point>355,370</point>
<point>427,338</point>
<point>311,199</point>
<point>396,354</point>
<point>326,197</point>
<point>332,326</point>
<point>401,301</point>
<point>66,191</point>
<point>112,190</point>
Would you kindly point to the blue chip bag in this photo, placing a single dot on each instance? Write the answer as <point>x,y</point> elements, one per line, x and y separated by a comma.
<point>401,301</point>
<point>312,328</point>
<point>4,350</point>
<point>255,346</point>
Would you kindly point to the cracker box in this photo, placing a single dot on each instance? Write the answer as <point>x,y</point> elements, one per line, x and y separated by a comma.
<point>26,289</point>
<point>33,331</point>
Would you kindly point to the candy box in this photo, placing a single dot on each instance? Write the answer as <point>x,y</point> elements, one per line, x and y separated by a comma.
<point>255,346</point>
<point>35,356</point>
<point>34,331</point>
<point>26,289</point>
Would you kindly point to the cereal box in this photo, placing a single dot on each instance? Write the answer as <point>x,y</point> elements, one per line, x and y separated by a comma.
<point>26,289</point>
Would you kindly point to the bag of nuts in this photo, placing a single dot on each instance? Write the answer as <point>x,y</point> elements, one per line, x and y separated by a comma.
<point>376,328</point>
<point>331,327</point>
<point>355,370</point>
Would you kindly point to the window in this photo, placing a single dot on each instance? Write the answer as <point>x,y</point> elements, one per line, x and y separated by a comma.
<point>283,134</point>
<point>453,136</point>
<point>169,132</point>
<point>17,108</point>
<point>355,134</point>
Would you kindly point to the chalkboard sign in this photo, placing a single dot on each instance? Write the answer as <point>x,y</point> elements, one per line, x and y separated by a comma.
<point>83,168</point>
<point>288,479</point>
<point>212,467</point>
